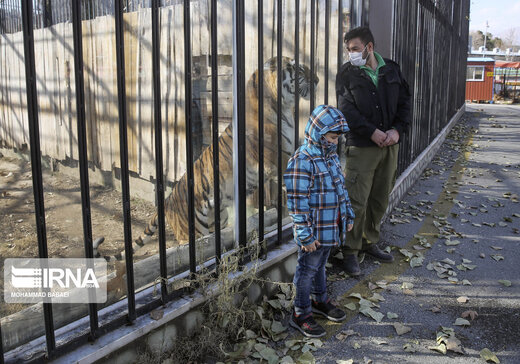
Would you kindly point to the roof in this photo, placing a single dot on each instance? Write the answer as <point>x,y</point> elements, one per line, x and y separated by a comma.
<point>506,64</point>
<point>481,59</point>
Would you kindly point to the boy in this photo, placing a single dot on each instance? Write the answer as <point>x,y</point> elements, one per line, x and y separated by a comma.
<point>320,207</point>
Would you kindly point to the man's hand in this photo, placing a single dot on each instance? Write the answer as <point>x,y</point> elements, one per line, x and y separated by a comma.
<point>379,137</point>
<point>392,137</point>
<point>311,247</point>
<point>349,227</point>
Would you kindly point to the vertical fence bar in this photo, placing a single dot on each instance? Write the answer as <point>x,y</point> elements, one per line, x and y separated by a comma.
<point>82,150</point>
<point>279,113</point>
<point>123,151</point>
<point>297,73</point>
<point>313,35</point>
<point>36,167</point>
<point>239,122</point>
<point>1,347</point>
<point>327,37</point>
<point>261,191</point>
<point>214,120</point>
<point>340,52</point>
<point>215,136</point>
<point>340,34</point>
<point>159,177</point>
<point>189,140</point>
<point>47,13</point>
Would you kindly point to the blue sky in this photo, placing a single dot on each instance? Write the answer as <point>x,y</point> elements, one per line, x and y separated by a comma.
<point>502,15</point>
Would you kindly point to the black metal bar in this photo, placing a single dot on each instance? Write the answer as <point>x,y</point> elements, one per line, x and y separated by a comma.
<point>189,141</point>
<point>313,36</point>
<point>47,13</point>
<point>241,121</point>
<point>340,34</point>
<point>159,187</point>
<point>123,152</point>
<point>261,191</point>
<point>279,113</point>
<point>297,73</point>
<point>36,167</point>
<point>82,150</point>
<point>1,346</point>
<point>340,51</point>
<point>327,37</point>
<point>214,119</point>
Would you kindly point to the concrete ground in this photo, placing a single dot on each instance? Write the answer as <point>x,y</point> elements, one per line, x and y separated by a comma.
<point>459,226</point>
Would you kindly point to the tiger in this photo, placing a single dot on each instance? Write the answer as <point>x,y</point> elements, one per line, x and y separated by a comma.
<point>176,207</point>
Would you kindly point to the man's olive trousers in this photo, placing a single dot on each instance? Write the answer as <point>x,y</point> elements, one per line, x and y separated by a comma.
<point>370,177</point>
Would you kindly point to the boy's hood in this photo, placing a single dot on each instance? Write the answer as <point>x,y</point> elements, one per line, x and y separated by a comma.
<point>323,119</point>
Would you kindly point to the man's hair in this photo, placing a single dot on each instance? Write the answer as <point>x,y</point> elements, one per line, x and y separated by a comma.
<point>362,33</point>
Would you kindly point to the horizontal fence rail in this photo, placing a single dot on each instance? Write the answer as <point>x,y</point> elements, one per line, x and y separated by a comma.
<point>192,99</point>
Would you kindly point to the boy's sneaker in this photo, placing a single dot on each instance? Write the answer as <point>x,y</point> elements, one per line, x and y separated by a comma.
<point>328,310</point>
<point>307,326</point>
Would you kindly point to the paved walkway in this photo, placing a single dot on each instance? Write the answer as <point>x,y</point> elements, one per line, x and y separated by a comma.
<point>459,227</point>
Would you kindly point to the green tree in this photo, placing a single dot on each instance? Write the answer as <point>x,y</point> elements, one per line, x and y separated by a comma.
<point>491,42</point>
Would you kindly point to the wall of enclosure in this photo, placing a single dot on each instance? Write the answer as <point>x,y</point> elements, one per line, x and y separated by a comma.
<point>104,85</point>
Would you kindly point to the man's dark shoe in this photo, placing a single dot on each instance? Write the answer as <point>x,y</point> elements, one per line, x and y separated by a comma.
<point>351,265</point>
<point>307,326</point>
<point>374,251</point>
<point>328,310</point>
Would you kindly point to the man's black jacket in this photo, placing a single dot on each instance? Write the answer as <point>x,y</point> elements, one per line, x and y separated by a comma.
<point>368,108</point>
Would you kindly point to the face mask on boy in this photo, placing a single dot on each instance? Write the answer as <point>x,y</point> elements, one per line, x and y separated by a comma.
<point>328,146</point>
<point>356,58</point>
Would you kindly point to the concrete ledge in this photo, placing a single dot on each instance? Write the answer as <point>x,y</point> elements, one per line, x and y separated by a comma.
<point>180,317</point>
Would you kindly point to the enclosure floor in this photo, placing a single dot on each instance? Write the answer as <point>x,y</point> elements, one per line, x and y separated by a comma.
<point>63,216</point>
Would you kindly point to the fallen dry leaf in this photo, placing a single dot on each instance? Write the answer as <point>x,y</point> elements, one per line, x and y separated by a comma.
<point>453,344</point>
<point>435,309</point>
<point>441,348</point>
<point>372,286</point>
<point>344,334</point>
<point>391,315</point>
<point>401,329</point>
<point>351,306</point>
<point>469,313</point>
<point>157,314</point>
<point>462,299</point>
<point>488,355</point>
<point>461,322</point>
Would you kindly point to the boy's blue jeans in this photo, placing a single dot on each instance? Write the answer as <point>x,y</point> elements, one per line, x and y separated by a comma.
<point>310,278</point>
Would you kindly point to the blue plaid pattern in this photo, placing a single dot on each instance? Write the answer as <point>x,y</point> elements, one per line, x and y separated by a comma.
<point>316,193</point>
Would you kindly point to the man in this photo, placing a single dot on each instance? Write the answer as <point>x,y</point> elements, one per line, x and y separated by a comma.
<point>375,99</point>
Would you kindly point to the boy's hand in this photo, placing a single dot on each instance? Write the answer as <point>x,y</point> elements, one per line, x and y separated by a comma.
<point>311,247</point>
<point>349,227</point>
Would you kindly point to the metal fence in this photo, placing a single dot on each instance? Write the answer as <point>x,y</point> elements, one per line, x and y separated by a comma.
<point>429,43</point>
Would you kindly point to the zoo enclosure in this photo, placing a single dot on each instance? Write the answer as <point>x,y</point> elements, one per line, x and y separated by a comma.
<point>428,40</point>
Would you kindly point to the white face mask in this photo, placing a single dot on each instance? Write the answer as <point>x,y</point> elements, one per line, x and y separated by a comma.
<point>356,58</point>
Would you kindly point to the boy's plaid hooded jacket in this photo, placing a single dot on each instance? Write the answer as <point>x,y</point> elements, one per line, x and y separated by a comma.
<point>316,193</point>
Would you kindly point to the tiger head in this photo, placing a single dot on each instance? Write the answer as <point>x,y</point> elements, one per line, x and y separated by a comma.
<point>305,80</point>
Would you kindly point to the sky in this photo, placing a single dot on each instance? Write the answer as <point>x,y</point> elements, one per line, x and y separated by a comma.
<point>501,15</point>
